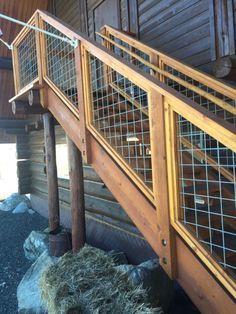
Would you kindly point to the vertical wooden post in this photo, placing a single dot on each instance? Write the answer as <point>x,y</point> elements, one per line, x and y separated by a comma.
<point>160,182</point>
<point>77,196</point>
<point>81,88</point>
<point>53,198</point>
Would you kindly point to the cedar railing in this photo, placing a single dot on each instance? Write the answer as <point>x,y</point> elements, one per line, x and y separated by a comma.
<point>203,89</point>
<point>179,155</point>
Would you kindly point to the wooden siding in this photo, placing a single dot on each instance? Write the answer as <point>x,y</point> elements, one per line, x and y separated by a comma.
<point>99,202</point>
<point>72,12</point>
<point>179,28</point>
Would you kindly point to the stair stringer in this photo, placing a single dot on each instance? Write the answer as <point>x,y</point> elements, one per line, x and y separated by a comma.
<point>139,209</point>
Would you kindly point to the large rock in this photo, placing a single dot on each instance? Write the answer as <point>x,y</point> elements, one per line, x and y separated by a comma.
<point>13,200</point>
<point>28,291</point>
<point>35,244</point>
<point>152,277</point>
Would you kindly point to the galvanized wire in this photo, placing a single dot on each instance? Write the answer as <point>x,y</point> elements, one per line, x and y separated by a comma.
<point>27,59</point>
<point>120,114</point>
<point>204,102</point>
<point>208,198</point>
<point>61,69</point>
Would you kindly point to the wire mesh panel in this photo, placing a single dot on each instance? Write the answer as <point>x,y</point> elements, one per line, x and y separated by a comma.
<point>27,59</point>
<point>203,101</point>
<point>120,114</point>
<point>208,192</point>
<point>60,58</point>
<point>188,92</point>
<point>126,56</point>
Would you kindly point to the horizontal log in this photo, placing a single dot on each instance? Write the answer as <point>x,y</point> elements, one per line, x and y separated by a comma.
<point>24,189</point>
<point>22,107</point>
<point>40,167</point>
<point>92,203</point>
<point>38,158</point>
<point>15,131</point>
<point>225,68</point>
<point>12,123</point>
<point>22,154</point>
<point>34,97</point>
<point>22,139</point>
<point>112,222</point>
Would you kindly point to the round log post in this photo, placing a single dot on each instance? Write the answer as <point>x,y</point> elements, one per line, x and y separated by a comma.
<point>34,97</point>
<point>77,196</point>
<point>53,197</point>
<point>22,107</point>
<point>225,68</point>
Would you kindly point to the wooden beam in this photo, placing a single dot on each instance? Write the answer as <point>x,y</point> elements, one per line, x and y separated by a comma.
<point>34,97</point>
<point>22,107</point>
<point>76,196</point>
<point>12,123</point>
<point>5,63</point>
<point>225,68</point>
<point>53,198</point>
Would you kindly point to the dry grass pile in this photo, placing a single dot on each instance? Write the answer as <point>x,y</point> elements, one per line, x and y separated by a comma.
<point>89,283</point>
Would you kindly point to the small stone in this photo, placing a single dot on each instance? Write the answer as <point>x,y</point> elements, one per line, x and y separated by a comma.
<point>35,244</point>
<point>20,208</point>
<point>31,211</point>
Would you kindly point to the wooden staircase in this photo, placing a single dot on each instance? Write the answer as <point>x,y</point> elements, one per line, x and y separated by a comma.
<point>159,134</point>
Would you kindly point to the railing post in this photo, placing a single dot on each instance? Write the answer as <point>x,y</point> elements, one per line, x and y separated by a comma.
<point>160,182</point>
<point>76,196</point>
<point>81,80</point>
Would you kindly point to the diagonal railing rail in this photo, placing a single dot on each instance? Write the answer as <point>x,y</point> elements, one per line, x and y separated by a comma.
<point>153,129</point>
<point>203,89</point>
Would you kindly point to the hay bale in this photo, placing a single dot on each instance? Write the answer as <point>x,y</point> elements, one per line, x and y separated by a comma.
<point>89,283</point>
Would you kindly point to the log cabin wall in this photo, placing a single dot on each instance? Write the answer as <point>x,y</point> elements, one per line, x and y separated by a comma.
<point>182,29</point>
<point>108,226</point>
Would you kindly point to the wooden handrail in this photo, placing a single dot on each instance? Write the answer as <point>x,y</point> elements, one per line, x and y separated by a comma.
<point>224,105</point>
<point>198,75</point>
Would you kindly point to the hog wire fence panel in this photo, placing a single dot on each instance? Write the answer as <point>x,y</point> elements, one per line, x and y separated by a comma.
<point>27,59</point>
<point>120,115</point>
<point>60,64</point>
<point>207,190</point>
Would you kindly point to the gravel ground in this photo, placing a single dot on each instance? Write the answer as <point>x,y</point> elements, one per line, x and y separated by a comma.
<point>14,229</point>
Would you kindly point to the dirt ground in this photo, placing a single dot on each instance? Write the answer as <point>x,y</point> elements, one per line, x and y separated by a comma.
<point>14,229</point>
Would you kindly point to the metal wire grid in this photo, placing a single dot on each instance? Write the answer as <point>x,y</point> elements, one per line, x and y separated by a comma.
<point>209,105</point>
<point>126,56</point>
<point>120,114</point>
<point>61,69</point>
<point>27,59</point>
<point>180,88</point>
<point>208,199</point>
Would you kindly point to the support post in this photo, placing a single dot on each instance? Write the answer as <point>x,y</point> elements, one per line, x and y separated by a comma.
<point>53,198</point>
<point>77,196</point>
